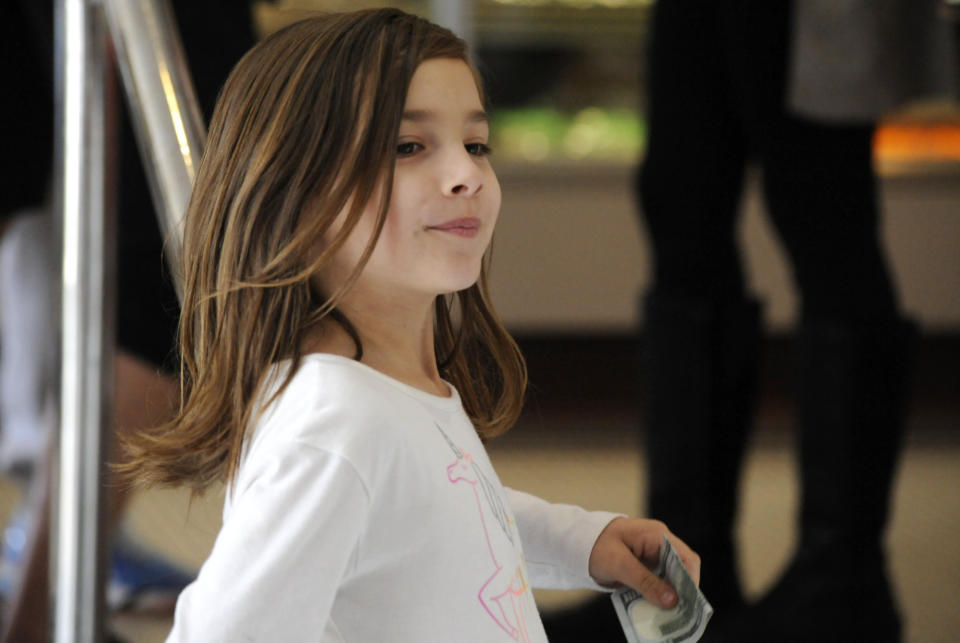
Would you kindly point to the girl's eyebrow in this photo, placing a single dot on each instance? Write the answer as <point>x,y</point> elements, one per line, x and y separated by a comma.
<point>421,115</point>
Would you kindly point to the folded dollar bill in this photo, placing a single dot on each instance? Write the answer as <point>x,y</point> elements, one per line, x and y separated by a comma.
<point>644,622</point>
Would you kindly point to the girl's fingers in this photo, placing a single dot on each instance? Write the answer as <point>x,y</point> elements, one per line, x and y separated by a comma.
<point>652,587</point>
<point>646,545</point>
<point>641,541</point>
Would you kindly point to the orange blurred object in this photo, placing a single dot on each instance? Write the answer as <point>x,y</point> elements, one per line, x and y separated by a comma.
<point>910,142</point>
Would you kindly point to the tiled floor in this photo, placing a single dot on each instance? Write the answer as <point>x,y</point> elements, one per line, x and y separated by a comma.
<point>594,460</point>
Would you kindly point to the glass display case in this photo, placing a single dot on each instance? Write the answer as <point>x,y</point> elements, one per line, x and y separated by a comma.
<point>565,81</point>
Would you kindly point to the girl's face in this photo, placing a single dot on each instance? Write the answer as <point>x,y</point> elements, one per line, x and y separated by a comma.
<point>445,197</point>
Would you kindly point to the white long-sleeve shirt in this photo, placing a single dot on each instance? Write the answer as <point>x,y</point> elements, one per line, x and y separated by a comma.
<point>366,510</point>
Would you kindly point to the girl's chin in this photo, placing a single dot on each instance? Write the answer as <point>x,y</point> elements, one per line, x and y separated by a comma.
<point>467,282</point>
<point>455,281</point>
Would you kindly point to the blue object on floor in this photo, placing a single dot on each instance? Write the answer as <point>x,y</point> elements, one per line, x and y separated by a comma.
<point>15,537</point>
<point>141,579</point>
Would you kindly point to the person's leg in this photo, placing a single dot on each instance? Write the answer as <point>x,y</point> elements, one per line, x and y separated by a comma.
<point>853,367</point>
<point>822,193</point>
<point>701,333</point>
<point>820,190</point>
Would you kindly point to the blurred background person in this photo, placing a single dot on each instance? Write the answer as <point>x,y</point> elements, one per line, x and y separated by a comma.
<point>796,88</point>
<point>215,34</point>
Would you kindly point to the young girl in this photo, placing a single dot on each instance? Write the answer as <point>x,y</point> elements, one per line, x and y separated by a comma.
<point>334,381</point>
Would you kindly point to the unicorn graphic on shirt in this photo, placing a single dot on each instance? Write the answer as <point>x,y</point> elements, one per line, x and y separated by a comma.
<point>504,592</point>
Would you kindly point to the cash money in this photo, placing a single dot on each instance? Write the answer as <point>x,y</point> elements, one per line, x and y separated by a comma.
<point>644,622</point>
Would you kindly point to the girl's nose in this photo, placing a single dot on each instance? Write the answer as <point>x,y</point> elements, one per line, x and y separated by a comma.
<point>462,175</point>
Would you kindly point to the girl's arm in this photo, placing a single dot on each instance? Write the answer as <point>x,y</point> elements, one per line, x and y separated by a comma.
<point>568,547</point>
<point>557,540</point>
<point>288,539</point>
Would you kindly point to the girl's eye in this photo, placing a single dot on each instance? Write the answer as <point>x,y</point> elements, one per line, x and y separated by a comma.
<point>408,149</point>
<point>478,149</point>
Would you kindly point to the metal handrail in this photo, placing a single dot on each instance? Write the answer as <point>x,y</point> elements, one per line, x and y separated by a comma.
<point>85,312</point>
<point>170,132</point>
<point>165,111</point>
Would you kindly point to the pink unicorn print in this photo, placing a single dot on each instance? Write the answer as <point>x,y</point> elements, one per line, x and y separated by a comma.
<point>502,594</point>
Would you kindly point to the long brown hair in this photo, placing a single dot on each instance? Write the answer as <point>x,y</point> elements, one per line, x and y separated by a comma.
<point>306,126</point>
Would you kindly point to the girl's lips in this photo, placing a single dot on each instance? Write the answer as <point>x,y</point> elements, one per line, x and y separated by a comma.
<point>464,227</point>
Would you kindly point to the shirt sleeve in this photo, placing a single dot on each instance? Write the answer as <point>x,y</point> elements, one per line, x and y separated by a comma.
<point>293,529</point>
<point>557,540</point>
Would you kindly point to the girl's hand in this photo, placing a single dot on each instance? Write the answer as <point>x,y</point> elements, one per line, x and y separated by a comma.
<point>628,548</point>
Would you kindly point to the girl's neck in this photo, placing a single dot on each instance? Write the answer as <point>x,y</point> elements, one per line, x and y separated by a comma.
<point>396,342</point>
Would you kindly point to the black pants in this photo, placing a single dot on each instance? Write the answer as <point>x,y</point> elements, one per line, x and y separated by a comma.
<point>718,72</point>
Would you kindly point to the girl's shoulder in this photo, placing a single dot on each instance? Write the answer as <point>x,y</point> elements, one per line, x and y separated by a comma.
<point>333,400</point>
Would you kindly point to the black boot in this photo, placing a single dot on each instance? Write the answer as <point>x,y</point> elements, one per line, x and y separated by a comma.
<point>700,371</point>
<point>698,367</point>
<point>852,414</point>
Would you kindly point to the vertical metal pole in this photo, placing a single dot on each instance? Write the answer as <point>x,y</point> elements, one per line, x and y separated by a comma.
<point>79,552</point>
<point>164,110</point>
<point>456,15</point>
